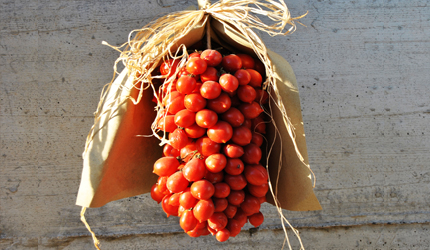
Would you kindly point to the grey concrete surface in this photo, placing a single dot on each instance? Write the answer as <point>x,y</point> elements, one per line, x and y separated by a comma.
<point>363,68</point>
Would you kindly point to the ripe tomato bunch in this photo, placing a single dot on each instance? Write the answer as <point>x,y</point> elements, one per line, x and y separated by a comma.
<point>210,174</point>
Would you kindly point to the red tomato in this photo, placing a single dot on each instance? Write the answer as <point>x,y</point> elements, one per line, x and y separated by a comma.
<point>258,190</point>
<point>202,189</point>
<point>167,208</point>
<point>214,177</point>
<point>234,166</point>
<point>156,195</point>
<point>212,57</point>
<point>246,93</point>
<point>203,210</point>
<point>236,197</point>
<point>210,89</point>
<point>256,79</point>
<point>211,74</point>
<point>185,118</point>
<point>174,199</point>
<point>186,199</point>
<point>250,205</point>
<point>206,118</point>
<point>228,83</point>
<point>247,61</point>
<point>234,117</point>
<point>221,132</point>
<point>188,151</point>
<point>243,76</point>
<point>262,96</point>
<point>177,182</point>
<point>233,150</point>
<point>222,190</point>
<point>262,199</point>
<point>252,154</point>
<point>257,139</point>
<point>220,204</point>
<point>230,211</point>
<point>240,217</point>
<point>207,147</point>
<point>187,221</point>
<point>256,174</point>
<point>196,65</point>
<point>258,125</point>
<point>220,104</point>
<point>215,163</point>
<point>166,166</point>
<point>167,123</point>
<point>194,54</point>
<point>169,67</point>
<point>174,102</point>
<point>250,110</point>
<point>194,102</point>
<point>241,135</point>
<point>234,227</point>
<point>217,221</point>
<point>222,235</point>
<point>194,170</point>
<point>231,63</point>
<point>178,139</point>
<point>236,182</point>
<point>168,150</point>
<point>256,219</point>
<point>247,123</point>
<point>195,131</point>
<point>185,84</point>
<point>161,185</point>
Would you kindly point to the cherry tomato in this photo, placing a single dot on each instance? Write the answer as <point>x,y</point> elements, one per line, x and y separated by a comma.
<point>233,116</point>
<point>256,78</point>
<point>256,174</point>
<point>230,211</point>
<point>214,177</point>
<point>194,170</point>
<point>166,166</point>
<point>258,125</point>
<point>167,208</point>
<point>178,138</point>
<point>228,83</point>
<point>220,104</point>
<point>250,110</point>
<point>257,139</point>
<point>231,63</point>
<point>220,204</point>
<point>262,199</point>
<point>187,221</point>
<point>167,123</point>
<point>233,150</point>
<point>207,147</point>
<point>186,199</point>
<point>241,135</point>
<point>234,166</point>
<point>212,57</point>
<point>202,189</point>
<point>185,84</point>
<point>185,118</point>
<point>169,67</point>
<point>203,210</point>
<point>188,151</point>
<point>241,217</point>
<point>215,163</point>
<point>195,131</point>
<point>161,185</point>
<point>236,182</point>
<point>194,54</point>
<point>184,72</point>
<point>206,118</point>
<point>222,235</point>
<point>194,102</point>
<point>258,190</point>
<point>236,197</point>
<point>246,93</point>
<point>177,182</point>
<point>174,102</point>
<point>247,61</point>
<point>211,74</point>
<point>174,199</point>
<point>256,219</point>
<point>221,132</point>
<point>234,227</point>
<point>196,65</point>
<point>156,195</point>
<point>243,76</point>
<point>168,150</point>
<point>210,89</point>
<point>250,205</point>
<point>262,96</point>
<point>252,154</point>
<point>247,123</point>
<point>217,221</point>
<point>222,190</point>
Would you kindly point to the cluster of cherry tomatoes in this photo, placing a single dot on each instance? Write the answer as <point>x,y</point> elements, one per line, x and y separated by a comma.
<point>210,174</point>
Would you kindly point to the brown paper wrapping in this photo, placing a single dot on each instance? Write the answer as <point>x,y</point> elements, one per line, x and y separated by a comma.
<point>118,162</point>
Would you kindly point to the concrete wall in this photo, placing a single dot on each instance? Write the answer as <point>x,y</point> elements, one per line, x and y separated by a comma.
<point>363,68</point>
